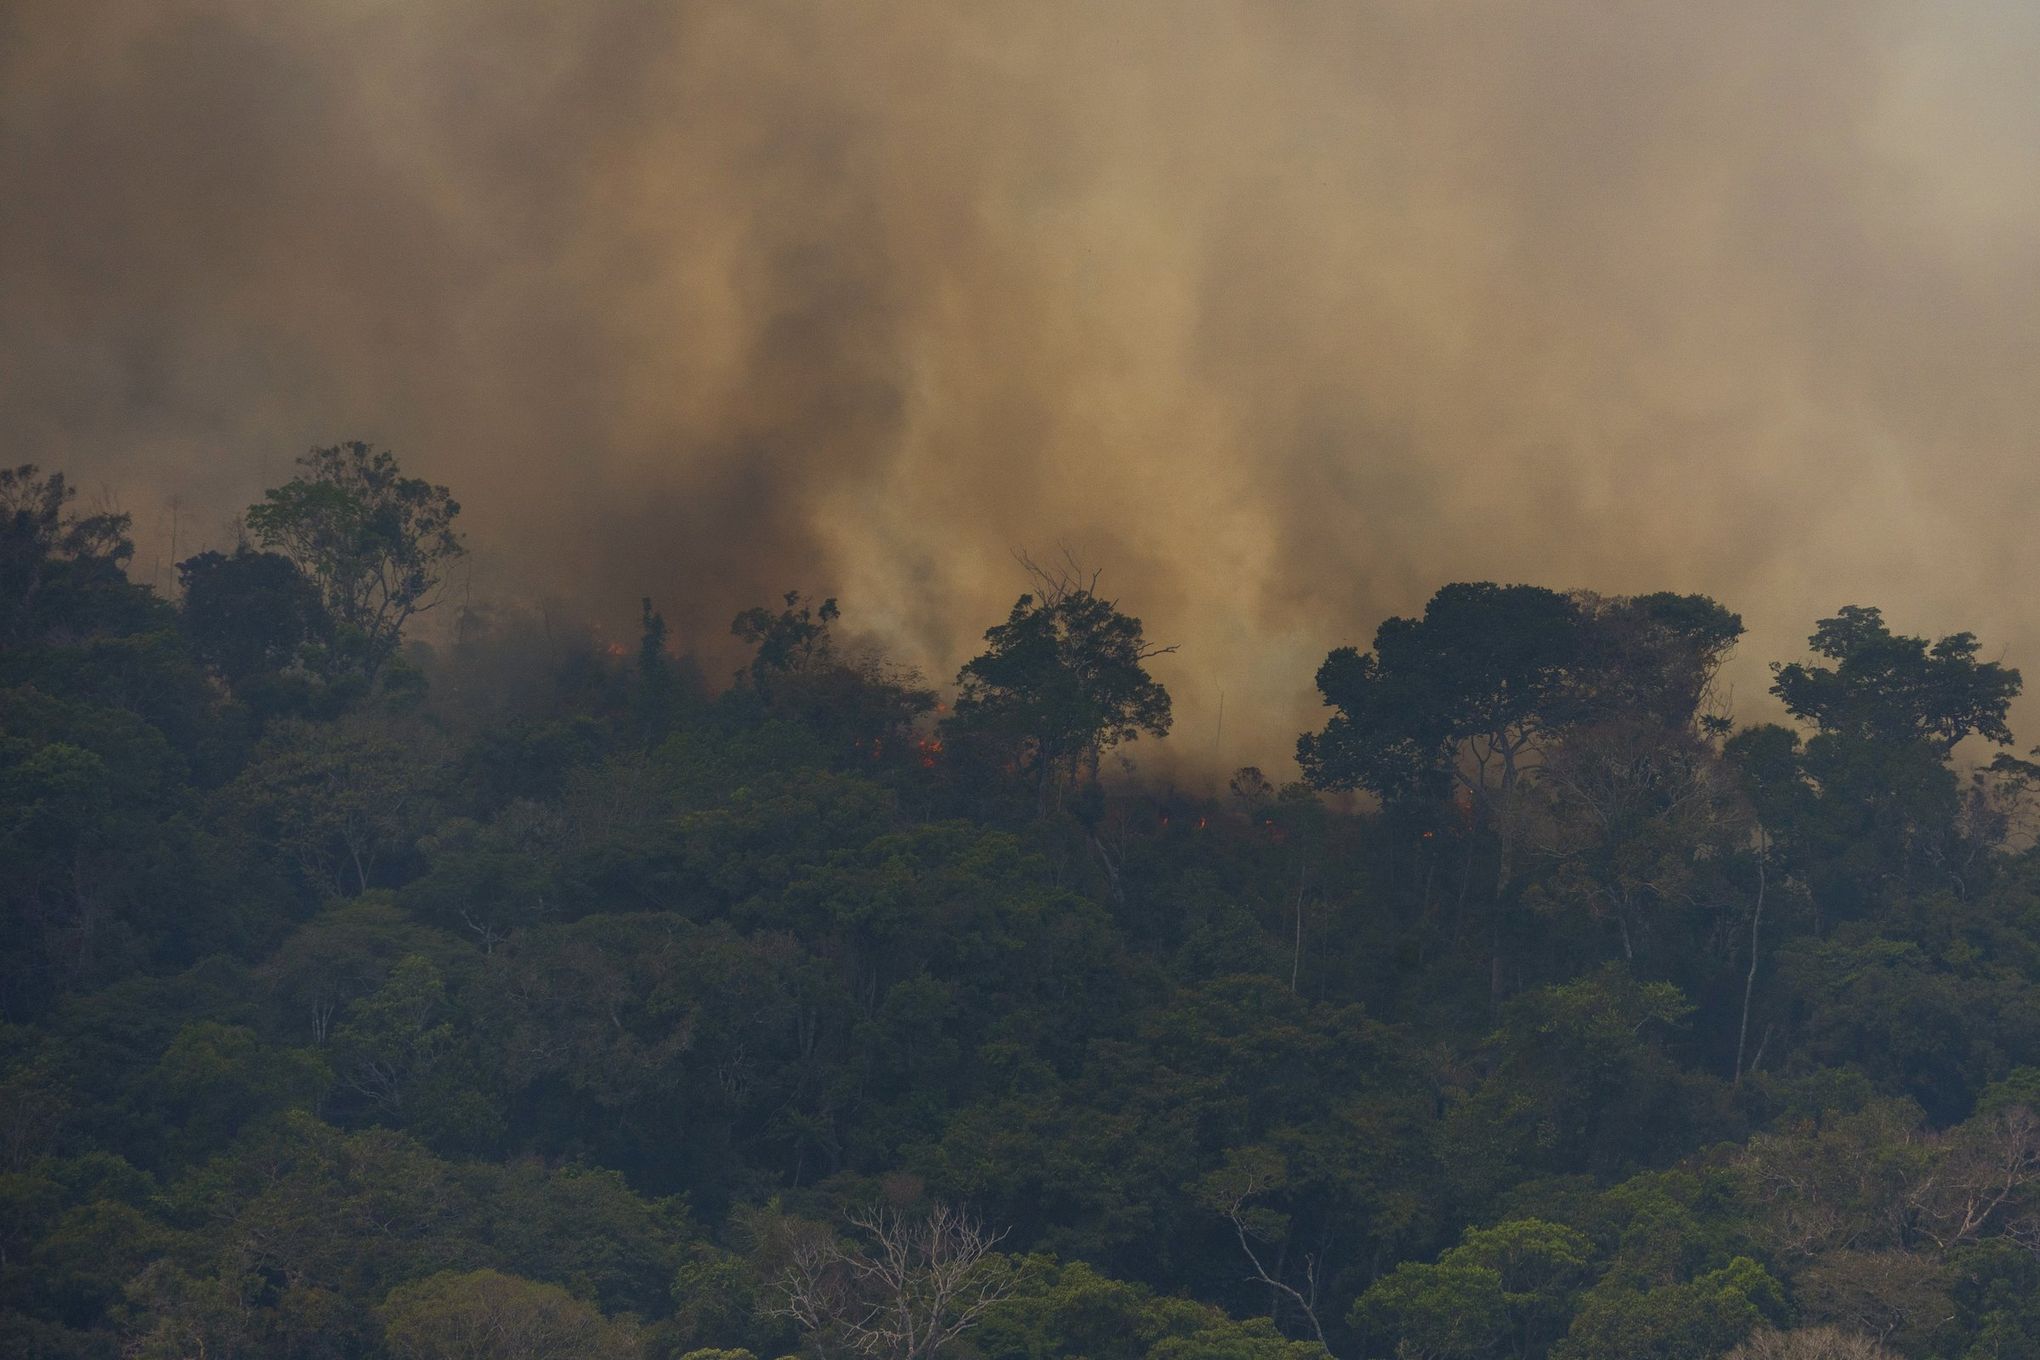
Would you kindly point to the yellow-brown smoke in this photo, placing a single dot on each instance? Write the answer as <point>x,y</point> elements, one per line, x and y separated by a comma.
<point>1282,313</point>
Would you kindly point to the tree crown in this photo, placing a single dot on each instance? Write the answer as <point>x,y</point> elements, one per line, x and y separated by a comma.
<point>375,542</point>
<point>1886,687</point>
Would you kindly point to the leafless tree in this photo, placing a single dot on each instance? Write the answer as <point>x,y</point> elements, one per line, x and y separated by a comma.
<point>1878,1294</point>
<point>1843,1187</point>
<point>1061,577</point>
<point>1980,1177</point>
<point>910,1287</point>
<point>1876,1181</point>
<point>1810,1343</point>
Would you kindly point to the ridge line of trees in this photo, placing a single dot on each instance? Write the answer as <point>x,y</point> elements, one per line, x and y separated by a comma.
<point>364,999</point>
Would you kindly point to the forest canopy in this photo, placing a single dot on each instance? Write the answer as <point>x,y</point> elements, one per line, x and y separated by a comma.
<point>365,995</point>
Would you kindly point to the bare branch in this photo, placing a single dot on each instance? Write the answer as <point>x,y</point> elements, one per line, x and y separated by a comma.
<point>910,1288</point>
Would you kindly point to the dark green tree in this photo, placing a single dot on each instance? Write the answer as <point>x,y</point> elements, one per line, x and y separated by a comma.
<point>1472,693</point>
<point>1464,695</point>
<point>375,543</point>
<point>58,569</point>
<point>1653,658</point>
<point>1465,698</point>
<point>793,640</point>
<point>1901,690</point>
<point>1503,1291</point>
<point>1868,806</point>
<point>335,800</point>
<point>251,617</point>
<point>1636,820</point>
<point>1695,1320</point>
<point>1064,680</point>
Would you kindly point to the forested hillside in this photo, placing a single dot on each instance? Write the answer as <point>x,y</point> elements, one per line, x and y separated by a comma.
<point>508,998</point>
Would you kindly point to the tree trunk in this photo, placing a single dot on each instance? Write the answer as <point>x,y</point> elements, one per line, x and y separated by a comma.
<point>1296,956</point>
<point>1742,1034</point>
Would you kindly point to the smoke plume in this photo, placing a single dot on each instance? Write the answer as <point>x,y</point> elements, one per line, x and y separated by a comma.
<point>1282,314</point>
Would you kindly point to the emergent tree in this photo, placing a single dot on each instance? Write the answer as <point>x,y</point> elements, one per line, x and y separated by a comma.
<point>374,542</point>
<point>1064,680</point>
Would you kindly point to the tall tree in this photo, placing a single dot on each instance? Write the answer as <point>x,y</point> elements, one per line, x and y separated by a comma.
<point>1473,692</point>
<point>1465,695</point>
<point>1064,679</point>
<point>1887,688</point>
<point>791,641</point>
<point>337,800</point>
<point>1468,697</point>
<point>56,566</point>
<point>374,542</point>
<point>1640,815</point>
<point>1879,807</point>
<point>1638,819</point>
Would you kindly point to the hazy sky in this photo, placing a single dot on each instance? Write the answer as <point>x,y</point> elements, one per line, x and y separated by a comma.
<point>1282,313</point>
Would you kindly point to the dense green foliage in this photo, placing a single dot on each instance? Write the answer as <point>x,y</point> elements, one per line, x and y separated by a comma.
<point>362,1000</point>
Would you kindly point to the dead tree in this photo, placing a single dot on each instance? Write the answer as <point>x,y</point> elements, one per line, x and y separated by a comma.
<point>909,1288</point>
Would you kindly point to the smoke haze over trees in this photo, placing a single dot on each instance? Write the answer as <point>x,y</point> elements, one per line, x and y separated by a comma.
<point>368,999</point>
<point>549,808</point>
<point>1283,313</point>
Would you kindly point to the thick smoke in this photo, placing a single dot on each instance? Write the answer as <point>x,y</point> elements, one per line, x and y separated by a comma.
<point>1282,314</point>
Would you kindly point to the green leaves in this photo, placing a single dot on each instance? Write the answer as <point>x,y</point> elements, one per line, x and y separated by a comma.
<point>665,956</point>
<point>58,569</point>
<point>1063,680</point>
<point>1485,664</point>
<point>1884,687</point>
<point>374,542</point>
<point>1489,672</point>
<point>479,1314</point>
<point>1507,1288</point>
<point>1697,1320</point>
<point>258,623</point>
<point>214,1079</point>
<point>336,799</point>
<point>1064,1310</point>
